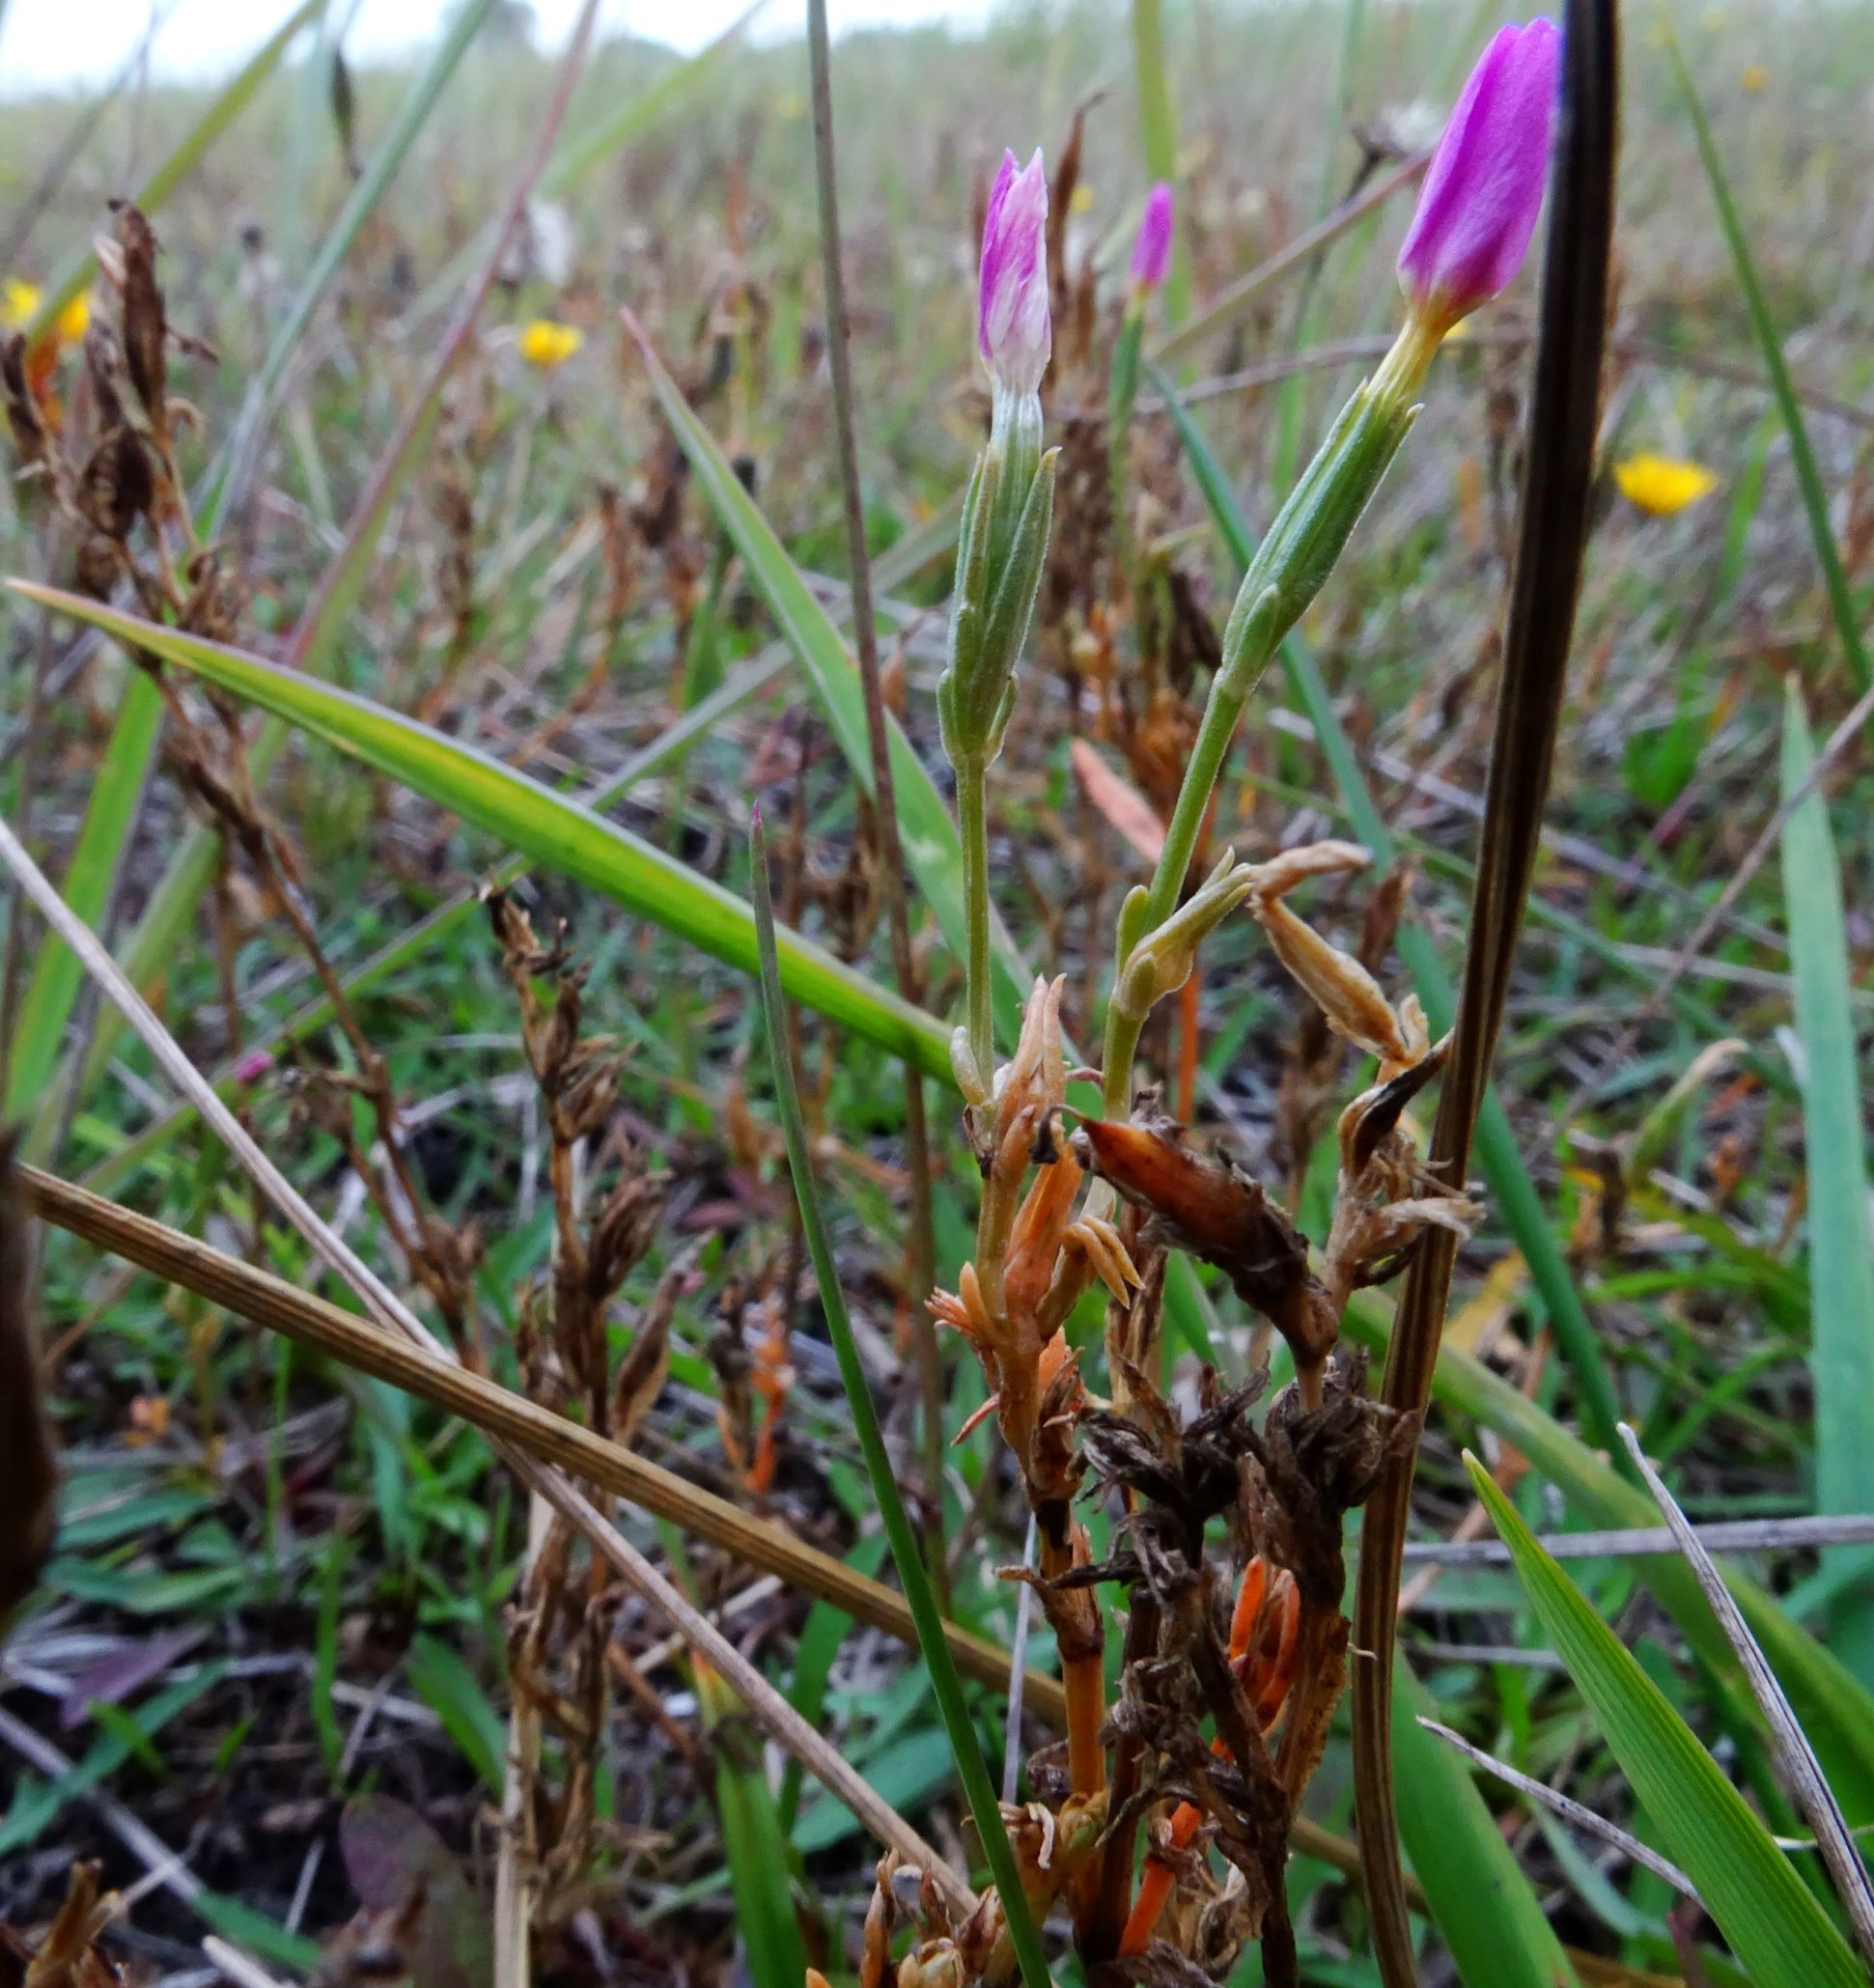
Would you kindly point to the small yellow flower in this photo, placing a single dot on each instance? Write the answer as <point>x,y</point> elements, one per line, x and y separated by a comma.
<point>20,305</point>
<point>1083,201</point>
<point>1754,77</point>
<point>547,344</point>
<point>1659,485</point>
<point>74,321</point>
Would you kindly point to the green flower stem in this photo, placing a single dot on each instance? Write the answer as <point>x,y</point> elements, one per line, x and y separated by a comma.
<point>974,820</point>
<point>1288,570</point>
<point>1123,1031</point>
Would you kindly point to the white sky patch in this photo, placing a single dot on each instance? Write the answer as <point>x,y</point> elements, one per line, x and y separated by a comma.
<point>77,44</point>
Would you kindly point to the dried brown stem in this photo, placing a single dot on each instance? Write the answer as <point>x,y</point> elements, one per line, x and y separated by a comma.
<point>1553,535</point>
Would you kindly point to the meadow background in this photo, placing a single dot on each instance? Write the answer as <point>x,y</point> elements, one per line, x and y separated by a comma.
<point>277,1584</point>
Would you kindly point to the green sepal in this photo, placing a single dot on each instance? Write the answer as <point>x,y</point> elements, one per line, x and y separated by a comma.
<point>1312,528</point>
<point>1131,923</point>
<point>1006,629</point>
<point>969,612</point>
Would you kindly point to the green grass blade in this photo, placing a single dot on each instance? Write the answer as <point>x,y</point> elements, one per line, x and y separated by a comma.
<point>114,795</point>
<point>1772,1921</point>
<point>144,956</point>
<point>945,1684</point>
<point>932,846</point>
<point>554,832</point>
<point>228,106</point>
<point>1512,1191</point>
<point>1808,478</point>
<point>1841,1251</point>
<point>1836,1712</point>
<point>754,1845</point>
<point>1485,1909</point>
<point>444,1683</point>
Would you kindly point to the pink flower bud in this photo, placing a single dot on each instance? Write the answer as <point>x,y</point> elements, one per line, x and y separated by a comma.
<point>1012,324</point>
<point>1483,191</point>
<point>1151,262</point>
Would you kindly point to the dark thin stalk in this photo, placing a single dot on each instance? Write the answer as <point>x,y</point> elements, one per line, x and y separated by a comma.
<point>1552,538</point>
<point>919,1595</point>
<point>865,641</point>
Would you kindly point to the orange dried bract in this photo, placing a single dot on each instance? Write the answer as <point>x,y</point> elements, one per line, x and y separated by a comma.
<point>1264,1632</point>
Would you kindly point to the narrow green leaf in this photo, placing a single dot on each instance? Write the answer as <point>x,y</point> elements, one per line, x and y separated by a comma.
<point>1769,1916</point>
<point>754,1844</point>
<point>1484,1906</point>
<point>445,1684</point>
<point>1808,478</point>
<point>932,846</point>
<point>932,1643</point>
<point>562,834</point>
<point>1842,1250</point>
<point>260,1936</point>
<point>117,791</point>
<point>143,954</point>
<point>1835,1710</point>
<point>36,1803</point>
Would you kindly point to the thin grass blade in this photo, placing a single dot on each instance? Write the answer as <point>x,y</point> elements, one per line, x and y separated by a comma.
<point>945,1684</point>
<point>90,879</point>
<point>238,458</point>
<point>1772,1921</point>
<point>560,833</point>
<point>1841,1247</point>
<point>1800,1770</point>
<point>1486,1910</point>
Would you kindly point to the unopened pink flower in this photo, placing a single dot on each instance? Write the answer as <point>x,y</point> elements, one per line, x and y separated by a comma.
<point>1012,330</point>
<point>1151,262</point>
<point>1483,191</point>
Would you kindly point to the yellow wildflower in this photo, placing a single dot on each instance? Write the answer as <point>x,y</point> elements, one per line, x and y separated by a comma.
<point>74,321</point>
<point>1659,485</point>
<point>1083,201</point>
<point>547,344</point>
<point>20,305</point>
<point>1754,77</point>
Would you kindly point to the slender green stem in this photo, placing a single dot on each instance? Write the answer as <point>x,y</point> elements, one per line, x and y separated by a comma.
<point>1122,1032</point>
<point>945,1684</point>
<point>973,821</point>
